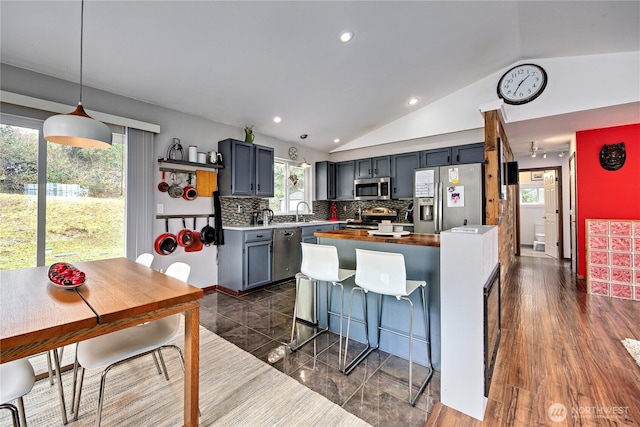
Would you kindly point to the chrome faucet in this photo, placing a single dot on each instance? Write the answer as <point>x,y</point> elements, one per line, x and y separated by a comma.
<point>297,208</point>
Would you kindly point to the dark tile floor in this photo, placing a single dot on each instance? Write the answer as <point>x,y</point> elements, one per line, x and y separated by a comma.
<point>376,391</point>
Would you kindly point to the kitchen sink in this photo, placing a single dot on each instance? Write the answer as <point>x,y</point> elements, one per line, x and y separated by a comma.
<point>297,224</point>
<point>285,224</point>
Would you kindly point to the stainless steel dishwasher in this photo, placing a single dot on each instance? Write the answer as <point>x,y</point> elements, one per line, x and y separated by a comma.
<point>286,253</point>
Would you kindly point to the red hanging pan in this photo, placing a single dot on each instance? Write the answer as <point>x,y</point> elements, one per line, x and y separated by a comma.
<point>163,186</point>
<point>185,236</point>
<point>166,243</point>
<point>197,243</point>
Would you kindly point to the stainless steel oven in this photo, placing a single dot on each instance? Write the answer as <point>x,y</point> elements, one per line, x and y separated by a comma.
<point>371,217</point>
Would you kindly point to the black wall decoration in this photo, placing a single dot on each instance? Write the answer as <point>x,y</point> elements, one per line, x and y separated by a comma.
<point>612,157</point>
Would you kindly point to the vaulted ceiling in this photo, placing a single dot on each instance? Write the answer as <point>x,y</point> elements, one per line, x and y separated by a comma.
<point>243,63</point>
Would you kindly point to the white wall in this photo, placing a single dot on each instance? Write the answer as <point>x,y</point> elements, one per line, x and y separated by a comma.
<point>525,162</point>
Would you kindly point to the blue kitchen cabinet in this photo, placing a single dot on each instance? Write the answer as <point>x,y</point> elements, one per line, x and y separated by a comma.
<point>436,157</point>
<point>402,167</point>
<point>345,174</point>
<point>245,259</point>
<point>325,180</point>
<point>248,169</point>
<point>374,167</point>
<point>465,154</point>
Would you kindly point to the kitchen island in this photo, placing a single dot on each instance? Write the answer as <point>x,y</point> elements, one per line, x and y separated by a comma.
<point>422,259</point>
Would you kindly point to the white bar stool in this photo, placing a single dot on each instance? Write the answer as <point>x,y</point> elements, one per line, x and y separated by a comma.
<point>384,273</point>
<point>321,263</point>
<point>16,380</point>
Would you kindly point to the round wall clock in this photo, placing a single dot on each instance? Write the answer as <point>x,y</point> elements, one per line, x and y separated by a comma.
<point>293,153</point>
<point>521,84</point>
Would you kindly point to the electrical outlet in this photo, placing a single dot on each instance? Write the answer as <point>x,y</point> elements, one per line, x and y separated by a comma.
<point>239,209</point>
<point>344,208</point>
<point>160,208</point>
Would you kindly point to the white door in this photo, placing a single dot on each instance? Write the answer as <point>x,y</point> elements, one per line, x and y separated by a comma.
<point>550,214</point>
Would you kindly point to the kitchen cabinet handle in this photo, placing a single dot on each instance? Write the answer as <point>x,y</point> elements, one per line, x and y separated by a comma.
<point>259,236</point>
<point>448,159</point>
<point>368,171</point>
<point>258,187</point>
<point>458,158</point>
<point>375,171</point>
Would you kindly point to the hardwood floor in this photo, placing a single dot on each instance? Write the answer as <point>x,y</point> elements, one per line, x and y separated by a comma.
<point>560,347</point>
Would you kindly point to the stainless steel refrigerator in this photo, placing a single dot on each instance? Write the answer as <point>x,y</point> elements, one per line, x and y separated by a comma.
<point>447,197</point>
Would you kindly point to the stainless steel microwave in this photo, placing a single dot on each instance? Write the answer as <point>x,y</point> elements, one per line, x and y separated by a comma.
<point>372,188</point>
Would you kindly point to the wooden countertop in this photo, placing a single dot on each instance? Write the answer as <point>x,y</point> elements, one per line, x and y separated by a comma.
<point>416,239</point>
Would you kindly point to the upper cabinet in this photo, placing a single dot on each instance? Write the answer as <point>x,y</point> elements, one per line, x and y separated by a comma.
<point>345,174</point>
<point>325,180</point>
<point>402,166</point>
<point>465,154</point>
<point>334,181</point>
<point>437,157</point>
<point>375,167</point>
<point>248,169</point>
<point>460,155</point>
<point>264,171</point>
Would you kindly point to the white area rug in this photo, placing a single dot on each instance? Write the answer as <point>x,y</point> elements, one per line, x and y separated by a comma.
<point>633,347</point>
<point>236,389</point>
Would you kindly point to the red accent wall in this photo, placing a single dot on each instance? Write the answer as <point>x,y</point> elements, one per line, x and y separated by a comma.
<point>604,194</point>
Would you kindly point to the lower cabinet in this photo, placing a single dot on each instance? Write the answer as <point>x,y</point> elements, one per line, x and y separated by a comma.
<point>245,260</point>
<point>307,232</point>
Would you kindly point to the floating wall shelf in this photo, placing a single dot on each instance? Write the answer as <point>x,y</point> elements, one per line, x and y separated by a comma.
<point>166,166</point>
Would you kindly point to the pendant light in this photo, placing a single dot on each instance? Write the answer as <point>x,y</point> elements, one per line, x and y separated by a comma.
<point>304,163</point>
<point>77,128</point>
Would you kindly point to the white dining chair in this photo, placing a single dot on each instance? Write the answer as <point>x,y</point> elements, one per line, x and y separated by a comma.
<point>116,348</point>
<point>145,259</point>
<point>16,380</point>
<point>384,274</point>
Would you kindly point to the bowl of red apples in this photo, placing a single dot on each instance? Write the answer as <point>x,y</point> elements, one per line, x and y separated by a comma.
<point>65,275</point>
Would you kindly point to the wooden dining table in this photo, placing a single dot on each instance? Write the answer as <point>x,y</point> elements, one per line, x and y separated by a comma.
<point>118,293</point>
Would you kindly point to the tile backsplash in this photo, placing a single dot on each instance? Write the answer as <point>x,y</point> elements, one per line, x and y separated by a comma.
<point>237,210</point>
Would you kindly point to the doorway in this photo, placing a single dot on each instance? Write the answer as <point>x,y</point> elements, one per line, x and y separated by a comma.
<point>539,213</point>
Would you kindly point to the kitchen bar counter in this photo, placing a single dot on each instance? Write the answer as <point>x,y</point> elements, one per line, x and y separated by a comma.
<point>417,239</point>
<point>422,260</point>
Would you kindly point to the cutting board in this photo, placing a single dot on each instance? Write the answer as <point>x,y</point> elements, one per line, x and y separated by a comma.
<point>206,183</point>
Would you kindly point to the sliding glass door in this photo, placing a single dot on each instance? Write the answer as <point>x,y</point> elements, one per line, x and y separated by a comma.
<point>58,203</point>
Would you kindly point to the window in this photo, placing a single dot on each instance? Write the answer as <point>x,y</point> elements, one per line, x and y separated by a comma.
<point>292,185</point>
<point>532,196</point>
<point>59,203</point>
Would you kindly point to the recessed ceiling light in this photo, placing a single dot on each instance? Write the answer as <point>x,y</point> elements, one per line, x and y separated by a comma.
<point>346,36</point>
<point>413,101</point>
<point>277,119</point>
<point>336,140</point>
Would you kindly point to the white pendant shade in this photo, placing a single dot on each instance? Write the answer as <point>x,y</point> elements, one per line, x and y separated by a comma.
<point>305,164</point>
<point>77,129</point>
